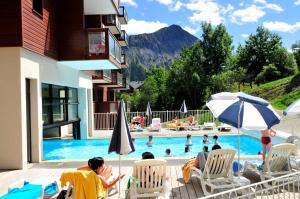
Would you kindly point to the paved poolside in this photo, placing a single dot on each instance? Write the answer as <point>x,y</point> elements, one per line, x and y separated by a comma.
<point>53,170</point>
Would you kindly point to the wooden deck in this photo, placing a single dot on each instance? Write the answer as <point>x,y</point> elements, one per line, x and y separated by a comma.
<point>178,190</point>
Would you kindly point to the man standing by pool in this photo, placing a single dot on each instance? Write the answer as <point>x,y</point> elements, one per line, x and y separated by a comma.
<point>266,141</point>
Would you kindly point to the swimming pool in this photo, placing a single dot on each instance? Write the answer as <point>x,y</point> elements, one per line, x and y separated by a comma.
<point>85,149</point>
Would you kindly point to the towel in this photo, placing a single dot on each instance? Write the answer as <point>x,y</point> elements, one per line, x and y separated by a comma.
<point>28,191</point>
<point>87,185</point>
<point>186,170</point>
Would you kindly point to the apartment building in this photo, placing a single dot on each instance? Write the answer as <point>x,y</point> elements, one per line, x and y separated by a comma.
<point>54,55</point>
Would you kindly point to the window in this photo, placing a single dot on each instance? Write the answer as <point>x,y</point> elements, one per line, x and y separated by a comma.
<point>37,6</point>
<point>60,104</point>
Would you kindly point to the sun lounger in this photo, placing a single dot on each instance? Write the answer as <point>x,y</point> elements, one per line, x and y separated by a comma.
<point>224,127</point>
<point>209,125</point>
<point>155,125</point>
<point>217,172</point>
<point>277,161</point>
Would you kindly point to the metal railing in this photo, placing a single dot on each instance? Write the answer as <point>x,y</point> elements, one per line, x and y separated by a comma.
<point>123,13</point>
<point>287,186</point>
<point>124,36</point>
<point>106,121</point>
<point>114,48</point>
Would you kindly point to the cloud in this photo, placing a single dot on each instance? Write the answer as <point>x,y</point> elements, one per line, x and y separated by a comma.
<point>129,2</point>
<point>192,31</point>
<point>165,2</point>
<point>245,35</point>
<point>247,15</point>
<point>139,26</point>
<point>271,6</point>
<point>297,2</point>
<point>207,11</point>
<point>177,6</point>
<point>282,26</point>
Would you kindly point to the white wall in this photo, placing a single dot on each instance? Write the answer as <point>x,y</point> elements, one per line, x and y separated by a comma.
<point>17,65</point>
<point>11,144</point>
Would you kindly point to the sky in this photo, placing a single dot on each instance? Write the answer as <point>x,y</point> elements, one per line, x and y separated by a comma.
<point>241,18</point>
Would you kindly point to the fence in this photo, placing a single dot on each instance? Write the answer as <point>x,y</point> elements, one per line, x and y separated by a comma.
<point>107,120</point>
<point>287,186</point>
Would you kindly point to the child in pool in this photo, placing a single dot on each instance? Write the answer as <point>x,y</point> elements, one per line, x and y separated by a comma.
<point>188,141</point>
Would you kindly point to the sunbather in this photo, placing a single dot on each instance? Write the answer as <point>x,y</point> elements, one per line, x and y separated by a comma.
<point>97,165</point>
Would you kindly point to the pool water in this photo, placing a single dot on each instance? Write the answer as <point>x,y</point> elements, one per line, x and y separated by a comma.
<point>85,149</point>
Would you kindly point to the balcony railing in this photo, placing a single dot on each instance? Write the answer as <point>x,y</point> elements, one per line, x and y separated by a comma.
<point>126,82</point>
<point>112,20</point>
<point>117,78</point>
<point>123,16</point>
<point>103,75</point>
<point>123,60</point>
<point>103,45</point>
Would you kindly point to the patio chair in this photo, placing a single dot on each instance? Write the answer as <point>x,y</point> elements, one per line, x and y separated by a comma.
<point>149,179</point>
<point>209,125</point>
<point>217,171</point>
<point>277,161</point>
<point>155,125</point>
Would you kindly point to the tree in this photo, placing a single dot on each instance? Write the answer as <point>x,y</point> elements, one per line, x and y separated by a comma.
<point>284,62</point>
<point>258,51</point>
<point>216,44</point>
<point>296,52</point>
<point>269,73</point>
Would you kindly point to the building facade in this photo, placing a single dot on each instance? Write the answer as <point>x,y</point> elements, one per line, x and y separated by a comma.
<point>53,55</point>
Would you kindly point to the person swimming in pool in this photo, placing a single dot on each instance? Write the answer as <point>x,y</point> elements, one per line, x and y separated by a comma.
<point>150,141</point>
<point>188,141</point>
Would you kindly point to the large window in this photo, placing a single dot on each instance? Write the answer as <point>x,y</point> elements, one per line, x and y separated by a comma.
<point>60,104</point>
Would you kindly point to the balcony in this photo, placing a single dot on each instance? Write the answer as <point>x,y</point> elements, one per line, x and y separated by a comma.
<point>116,79</point>
<point>112,22</point>
<point>103,76</point>
<point>123,16</point>
<point>124,61</point>
<point>122,38</point>
<point>103,45</point>
<point>101,7</point>
<point>126,82</point>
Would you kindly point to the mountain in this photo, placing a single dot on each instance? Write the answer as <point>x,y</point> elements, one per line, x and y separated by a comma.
<point>158,48</point>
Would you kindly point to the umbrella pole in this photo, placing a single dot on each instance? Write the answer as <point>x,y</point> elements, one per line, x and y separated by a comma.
<point>239,144</point>
<point>119,176</point>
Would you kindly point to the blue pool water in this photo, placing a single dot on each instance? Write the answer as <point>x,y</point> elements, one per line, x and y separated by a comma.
<point>85,149</point>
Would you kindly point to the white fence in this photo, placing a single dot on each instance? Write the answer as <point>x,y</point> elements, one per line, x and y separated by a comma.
<point>287,186</point>
<point>104,121</point>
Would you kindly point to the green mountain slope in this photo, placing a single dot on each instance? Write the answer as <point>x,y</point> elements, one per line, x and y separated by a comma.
<point>280,93</point>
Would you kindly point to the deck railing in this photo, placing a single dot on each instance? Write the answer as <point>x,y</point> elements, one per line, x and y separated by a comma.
<point>287,186</point>
<point>104,121</point>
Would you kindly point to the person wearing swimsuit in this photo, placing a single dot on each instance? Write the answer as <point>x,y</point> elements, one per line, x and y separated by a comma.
<point>266,140</point>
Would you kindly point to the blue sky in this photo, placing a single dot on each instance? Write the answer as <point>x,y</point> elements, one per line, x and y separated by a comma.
<point>241,18</point>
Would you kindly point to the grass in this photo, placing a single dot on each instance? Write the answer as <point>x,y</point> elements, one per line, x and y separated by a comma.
<point>280,93</point>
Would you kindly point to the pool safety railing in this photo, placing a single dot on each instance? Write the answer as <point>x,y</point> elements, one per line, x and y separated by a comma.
<point>287,186</point>
<point>106,121</point>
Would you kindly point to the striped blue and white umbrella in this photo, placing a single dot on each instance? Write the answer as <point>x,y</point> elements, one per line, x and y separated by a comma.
<point>243,112</point>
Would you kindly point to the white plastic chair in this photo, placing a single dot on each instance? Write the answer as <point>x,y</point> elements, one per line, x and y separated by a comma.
<point>277,161</point>
<point>149,179</point>
<point>155,125</point>
<point>217,171</point>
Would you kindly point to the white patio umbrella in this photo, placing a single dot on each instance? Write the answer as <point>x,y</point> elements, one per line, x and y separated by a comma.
<point>292,110</point>
<point>148,110</point>
<point>121,142</point>
<point>183,108</point>
<point>243,112</point>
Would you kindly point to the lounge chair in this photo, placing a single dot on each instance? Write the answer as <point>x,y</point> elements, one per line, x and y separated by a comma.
<point>224,127</point>
<point>209,125</point>
<point>217,171</point>
<point>149,179</point>
<point>277,161</point>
